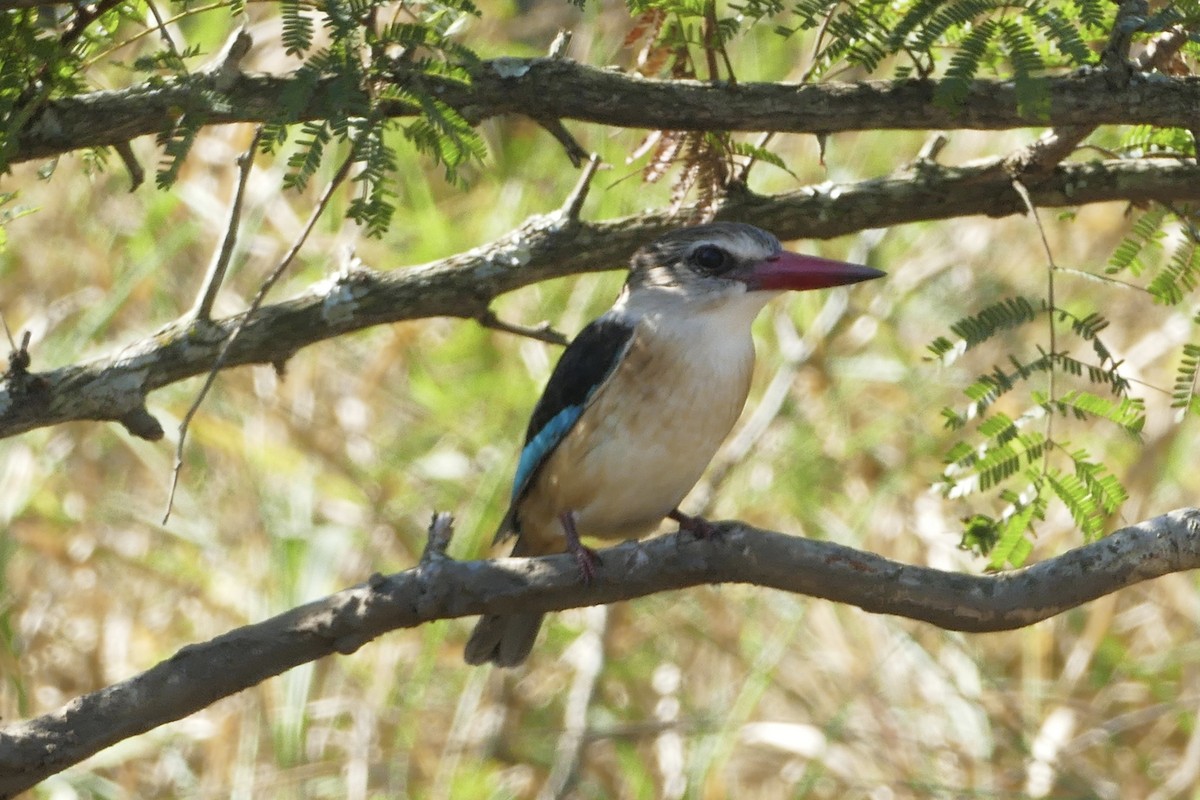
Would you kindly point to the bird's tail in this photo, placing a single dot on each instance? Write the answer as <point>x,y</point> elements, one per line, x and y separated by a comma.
<point>504,639</point>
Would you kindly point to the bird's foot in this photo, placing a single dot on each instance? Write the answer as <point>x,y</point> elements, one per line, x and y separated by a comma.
<point>587,558</point>
<point>696,526</point>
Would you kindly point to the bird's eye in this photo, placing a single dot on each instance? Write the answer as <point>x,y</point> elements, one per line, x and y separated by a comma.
<point>709,258</point>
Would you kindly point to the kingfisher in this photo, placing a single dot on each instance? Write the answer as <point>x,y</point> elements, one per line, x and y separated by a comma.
<point>640,401</point>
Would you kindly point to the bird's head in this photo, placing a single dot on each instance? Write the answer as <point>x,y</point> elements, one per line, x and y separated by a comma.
<point>724,259</point>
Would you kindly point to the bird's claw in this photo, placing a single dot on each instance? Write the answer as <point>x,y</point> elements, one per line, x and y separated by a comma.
<point>588,560</point>
<point>696,526</point>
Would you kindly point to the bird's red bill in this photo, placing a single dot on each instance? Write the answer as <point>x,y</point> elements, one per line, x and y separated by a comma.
<point>796,272</point>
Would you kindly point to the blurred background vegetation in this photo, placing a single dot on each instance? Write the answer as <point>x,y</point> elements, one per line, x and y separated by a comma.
<point>299,484</point>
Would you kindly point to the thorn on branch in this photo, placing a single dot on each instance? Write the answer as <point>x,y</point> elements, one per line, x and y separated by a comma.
<point>1131,16</point>
<point>574,202</point>
<point>20,381</point>
<point>441,530</point>
<point>18,358</point>
<point>933,147</point>
<point>1162,52</point>
<point>1047,152</point>
<point>558,48</point>
<point>137,175</point>
<point>543,332</point>
<point>575,151</point>
<point>219,266</point>
<point>141,423</point>
<point>226,66</point>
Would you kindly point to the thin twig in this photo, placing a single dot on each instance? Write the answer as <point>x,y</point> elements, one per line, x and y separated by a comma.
<point>570,211</point>
<point>217,269</point>
<point>12,342</point>
<point>338,178</point>
<point>163,32</point>
<point>818,42</point>
<point>103,55</point>
<point>573,205</point>
<point>137,173</point>
<point>1051,268</point>
<point>441,530</point>
<point>542,332</point>
<point>576,152</point>
<point>1115,56</point>
<point>744,173</point>
<point>83,18</point>
<point>1092,276</point>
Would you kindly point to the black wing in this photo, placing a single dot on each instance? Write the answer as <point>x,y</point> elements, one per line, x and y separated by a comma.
<point>583,368</point>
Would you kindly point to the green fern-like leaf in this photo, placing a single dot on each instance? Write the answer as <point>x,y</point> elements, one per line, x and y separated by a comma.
<point>1088,326</point>
<point>983,392</point>
<point>1079,502</point>
<point>980,534</point>
<point>1104,488</point>
<point>861,29</point>
<point>375,205</point>
<point>1093,13</point>
<point>1004,453</point>
<point>1110,376</point>
<point>953,89</point>
<point>166,60</point>
<point>1184,394</point>
<point>1091,494</point>
<point>443,134</point>
<point>176,145</point>
<point>1063,33</point>
<point>748,150</point>
<point>1127,413</point>
<point>1179,276</point>
<point>1151,140</point>
<point>303,163</point>
<point>959,14</point>
<point>852,32</point>
<point>415,35</point>
<point>298,28</point>
<point>915,16</point>
<point>978,328</point>
<point>1012,546</point>
<point>1145,234</point>
<point>1032,96</point>
<point>990,387</point>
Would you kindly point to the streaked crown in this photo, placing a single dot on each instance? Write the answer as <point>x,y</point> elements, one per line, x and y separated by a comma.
<point>700,255</point>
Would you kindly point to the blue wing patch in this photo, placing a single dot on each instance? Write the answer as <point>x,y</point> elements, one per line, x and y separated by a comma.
<point>585,365</point>
<point>541,444</point>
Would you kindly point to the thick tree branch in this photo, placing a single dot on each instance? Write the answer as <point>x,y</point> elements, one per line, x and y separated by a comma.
<point>555,88</point>
<point>439,588</point>
<point>115,388</point>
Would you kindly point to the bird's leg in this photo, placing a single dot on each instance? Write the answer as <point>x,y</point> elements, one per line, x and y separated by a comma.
<point>696,526</point>
<point>587,558</point>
